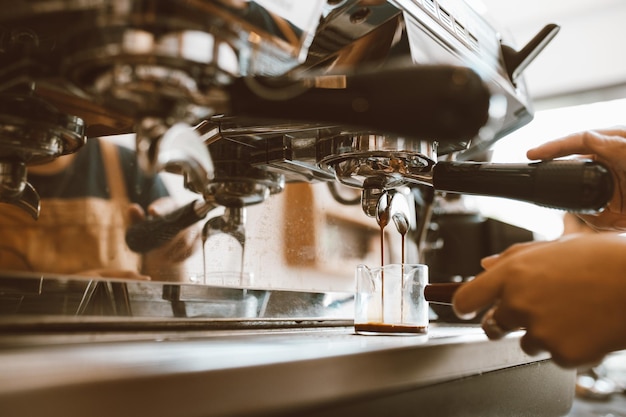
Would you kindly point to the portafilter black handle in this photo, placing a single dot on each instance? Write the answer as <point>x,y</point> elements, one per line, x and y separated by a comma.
<point>154,232</point>
<point>449,103</point>
<point>576,185</point>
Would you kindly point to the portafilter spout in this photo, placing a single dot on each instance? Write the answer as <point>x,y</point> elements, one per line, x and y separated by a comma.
<point>392,207</point>
<point>32,131</point>
<point>15,190</point>
<point>224,177</point>
<point>232,223</point>
<point>378,164</point>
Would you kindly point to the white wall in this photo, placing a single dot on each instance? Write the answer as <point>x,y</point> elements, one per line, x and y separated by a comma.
<point>586,53</point>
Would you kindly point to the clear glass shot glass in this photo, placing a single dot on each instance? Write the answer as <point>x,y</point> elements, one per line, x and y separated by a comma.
<point>390,300</point>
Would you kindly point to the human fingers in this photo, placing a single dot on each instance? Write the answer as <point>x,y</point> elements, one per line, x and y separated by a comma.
<point>184,244</point>
<point>493,329</point>
<point>157,208</point>
<point>567,145</point>
<point>531,345</point>
<point>485,289</point>
<point>607,146</point>
<point>479,293</point>
<point>136,213</point>
<point>501,320</point>
<point>162,206</point>
<point>584,362</point>
<point>602,142</point>
<point>489,261</point>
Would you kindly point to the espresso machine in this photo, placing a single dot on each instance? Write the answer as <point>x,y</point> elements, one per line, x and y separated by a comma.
<point>249,102</point>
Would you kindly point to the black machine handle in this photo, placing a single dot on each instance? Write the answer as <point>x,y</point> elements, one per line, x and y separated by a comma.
<point>441,292</point>
<point>154,232</point>
<point>449,103</point>
<point>575,185</point>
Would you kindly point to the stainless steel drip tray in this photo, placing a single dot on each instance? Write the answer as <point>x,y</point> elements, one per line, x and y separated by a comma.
<point>21,332</point>
<point>29,295</point>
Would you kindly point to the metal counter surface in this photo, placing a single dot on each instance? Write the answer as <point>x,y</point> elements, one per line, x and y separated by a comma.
<point>239,373</point>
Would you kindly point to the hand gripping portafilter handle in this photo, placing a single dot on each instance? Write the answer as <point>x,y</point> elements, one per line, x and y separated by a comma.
<point>449,103</point>
<point>576,185</point>
<point>152,233</point>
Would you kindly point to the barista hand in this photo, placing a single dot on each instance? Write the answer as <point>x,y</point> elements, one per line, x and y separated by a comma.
<point>607,146</point>
<point>182,245</point>
<point>568,294</point>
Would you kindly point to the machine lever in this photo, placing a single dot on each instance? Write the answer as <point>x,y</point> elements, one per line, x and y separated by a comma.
<point>576,185</point>
<point>153,233</point>
<point>517,61</point>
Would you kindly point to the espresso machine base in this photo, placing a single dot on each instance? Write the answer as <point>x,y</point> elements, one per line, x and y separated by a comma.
<point>313,371</point>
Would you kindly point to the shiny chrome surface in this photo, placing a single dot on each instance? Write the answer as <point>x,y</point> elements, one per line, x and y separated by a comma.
<point>178,74</point>
<point>16,190</point>
<point>238,181</point>
<point>71,299</point>
<point>159,63</point>
<point>180,149</point>
<point>122,65</point>
<point>289,150</point>
<point>32,131</point>
<point>366,160</point>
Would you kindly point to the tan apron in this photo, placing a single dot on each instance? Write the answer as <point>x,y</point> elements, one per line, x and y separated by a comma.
<point>71,235</point>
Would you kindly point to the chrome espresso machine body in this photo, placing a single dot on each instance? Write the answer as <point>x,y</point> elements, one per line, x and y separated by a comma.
<point>248,103</point>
